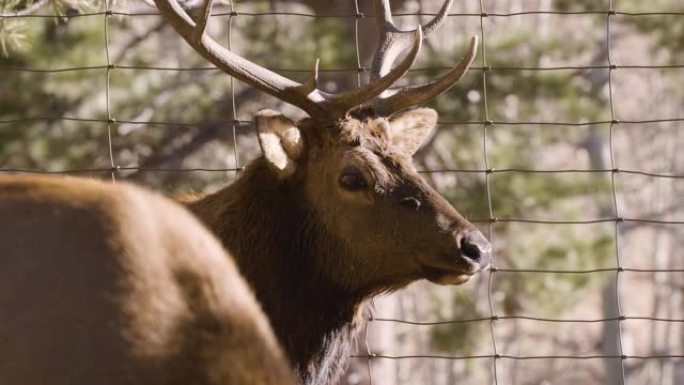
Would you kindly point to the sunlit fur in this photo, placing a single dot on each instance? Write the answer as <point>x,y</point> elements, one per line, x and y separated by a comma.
<point>109,284</point>
<point>315,253</point>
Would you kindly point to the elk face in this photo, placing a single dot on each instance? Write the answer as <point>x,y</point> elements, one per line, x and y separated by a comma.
<point>361,185</point>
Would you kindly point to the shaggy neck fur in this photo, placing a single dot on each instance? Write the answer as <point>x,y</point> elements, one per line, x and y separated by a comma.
<point>280,246</point>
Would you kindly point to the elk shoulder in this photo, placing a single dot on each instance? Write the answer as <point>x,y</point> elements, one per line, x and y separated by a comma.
<point>112,284</point>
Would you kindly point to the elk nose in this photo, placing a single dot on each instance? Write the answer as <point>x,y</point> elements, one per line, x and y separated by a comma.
<point>476,247</point>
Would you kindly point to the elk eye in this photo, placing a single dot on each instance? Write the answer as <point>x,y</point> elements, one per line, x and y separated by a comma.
<point>352,180</point>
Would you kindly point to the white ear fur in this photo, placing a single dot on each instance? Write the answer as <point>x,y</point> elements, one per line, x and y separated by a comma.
<point>410,129</point>
<point>280,140</point>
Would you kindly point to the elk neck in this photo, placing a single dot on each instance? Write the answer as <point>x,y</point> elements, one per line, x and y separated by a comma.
<point>279,245</point>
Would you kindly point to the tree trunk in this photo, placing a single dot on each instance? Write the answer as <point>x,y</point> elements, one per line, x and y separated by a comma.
<point>610,346</point>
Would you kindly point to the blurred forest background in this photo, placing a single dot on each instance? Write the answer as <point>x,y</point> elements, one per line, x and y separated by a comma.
<point>81,91</point>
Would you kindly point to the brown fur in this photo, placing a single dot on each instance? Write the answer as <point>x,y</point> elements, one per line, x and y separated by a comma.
<point>110,284</point>
<point>315,254</point>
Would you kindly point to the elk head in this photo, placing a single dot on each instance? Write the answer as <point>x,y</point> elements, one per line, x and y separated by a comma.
<point>351,159</point>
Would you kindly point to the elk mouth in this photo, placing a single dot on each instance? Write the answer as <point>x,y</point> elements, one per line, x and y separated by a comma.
<point>449,276</point>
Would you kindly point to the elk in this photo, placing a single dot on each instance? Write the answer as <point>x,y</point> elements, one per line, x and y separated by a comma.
<point>112,284</point>
<point>334,211</point>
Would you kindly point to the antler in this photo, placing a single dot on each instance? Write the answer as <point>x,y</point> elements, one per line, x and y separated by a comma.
<point>392,42</point>
<point>318,104</point>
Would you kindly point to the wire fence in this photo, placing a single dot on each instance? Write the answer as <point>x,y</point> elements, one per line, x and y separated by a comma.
<point>485,69</point>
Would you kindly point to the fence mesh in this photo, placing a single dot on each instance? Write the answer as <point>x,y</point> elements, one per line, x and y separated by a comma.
<point>616,215</point>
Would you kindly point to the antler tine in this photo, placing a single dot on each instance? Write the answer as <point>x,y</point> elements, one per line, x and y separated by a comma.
<point>393,41</point>
<point>413,96</point>
<point>203,19</point>
<point>318,104</point>
<point>440,18</point>
<point>312,83</point>
<point>358,96</point>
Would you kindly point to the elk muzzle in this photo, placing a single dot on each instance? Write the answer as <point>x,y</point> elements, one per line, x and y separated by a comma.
<point>473,256</point>
<point>476,248</point>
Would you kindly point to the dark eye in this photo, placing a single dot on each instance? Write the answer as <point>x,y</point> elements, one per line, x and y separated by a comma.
<point>352,180</point>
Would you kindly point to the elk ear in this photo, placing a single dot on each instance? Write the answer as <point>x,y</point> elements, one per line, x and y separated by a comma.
<point>410,129</point>
<point>280,140</point>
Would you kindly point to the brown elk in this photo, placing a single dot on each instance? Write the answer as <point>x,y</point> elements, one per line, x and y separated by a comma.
<point>334,212</point>
<point>110,284</point>
<point>104,284</point>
